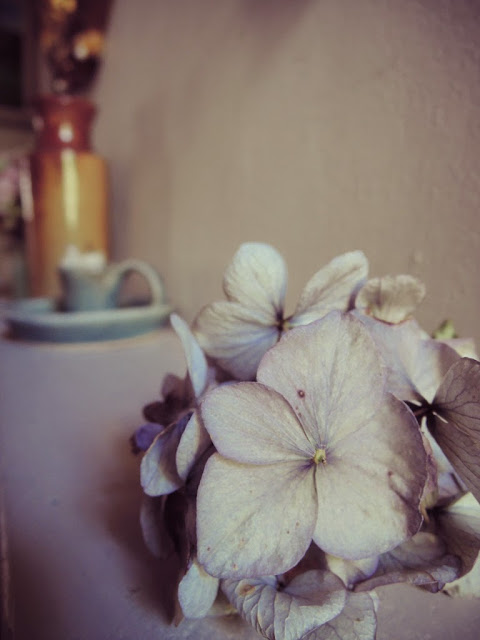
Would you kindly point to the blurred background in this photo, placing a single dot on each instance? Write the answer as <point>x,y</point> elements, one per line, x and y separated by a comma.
<point>319,126</point>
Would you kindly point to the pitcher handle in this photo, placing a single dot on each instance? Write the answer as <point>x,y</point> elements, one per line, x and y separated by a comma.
<point>155,283</point>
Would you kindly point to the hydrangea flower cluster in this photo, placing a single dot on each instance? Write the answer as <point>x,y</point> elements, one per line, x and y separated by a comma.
<point>308,459</point>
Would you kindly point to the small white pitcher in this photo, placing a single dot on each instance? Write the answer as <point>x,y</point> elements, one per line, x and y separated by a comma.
<point>87,290</point>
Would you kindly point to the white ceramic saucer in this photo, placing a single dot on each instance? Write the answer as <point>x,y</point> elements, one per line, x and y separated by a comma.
<point>37,319</point>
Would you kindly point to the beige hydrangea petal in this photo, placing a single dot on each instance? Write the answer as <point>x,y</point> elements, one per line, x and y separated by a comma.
<point>391,299</point>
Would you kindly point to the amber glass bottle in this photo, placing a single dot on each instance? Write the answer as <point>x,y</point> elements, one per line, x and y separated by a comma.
<point>68,190</point>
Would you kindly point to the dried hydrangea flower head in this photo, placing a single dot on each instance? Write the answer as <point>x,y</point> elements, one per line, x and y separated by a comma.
<point>173,452</point>
<point>316,449</point>
<point>344,455</point>
<point>239,331</point>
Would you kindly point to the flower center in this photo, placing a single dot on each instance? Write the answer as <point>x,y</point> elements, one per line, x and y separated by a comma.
<point>320,456</point>
<point>280,321</point>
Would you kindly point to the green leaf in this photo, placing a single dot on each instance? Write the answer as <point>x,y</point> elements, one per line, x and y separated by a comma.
<point>445,331</point>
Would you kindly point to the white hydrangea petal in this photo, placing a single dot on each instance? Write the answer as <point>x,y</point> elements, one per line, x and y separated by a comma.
<point>330,373</point>
<point>222,607</point>
<point>441,461</point>
<point>415,365</point>
<point>197,591</point>
<point>257,278</point>
<point>370,486</point>
<point>357,620</point>
<point>468,586</point>
<point>422,561</point>
<point>459,526</point>
<point>158,470</point>
<point>465,347</point>
<point>155,532</point>
<point>431,489</point>
<point>352,571</point>
<point>253,519</point>
<point>235,336</point>
<point>196,361</point>
<point>447,484</point>
<point>310,600</point>
<point>457,430</point>
<point>331,288</point>
<point>391,299</point>
<point>251,423</point>
<point>194,441</point>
